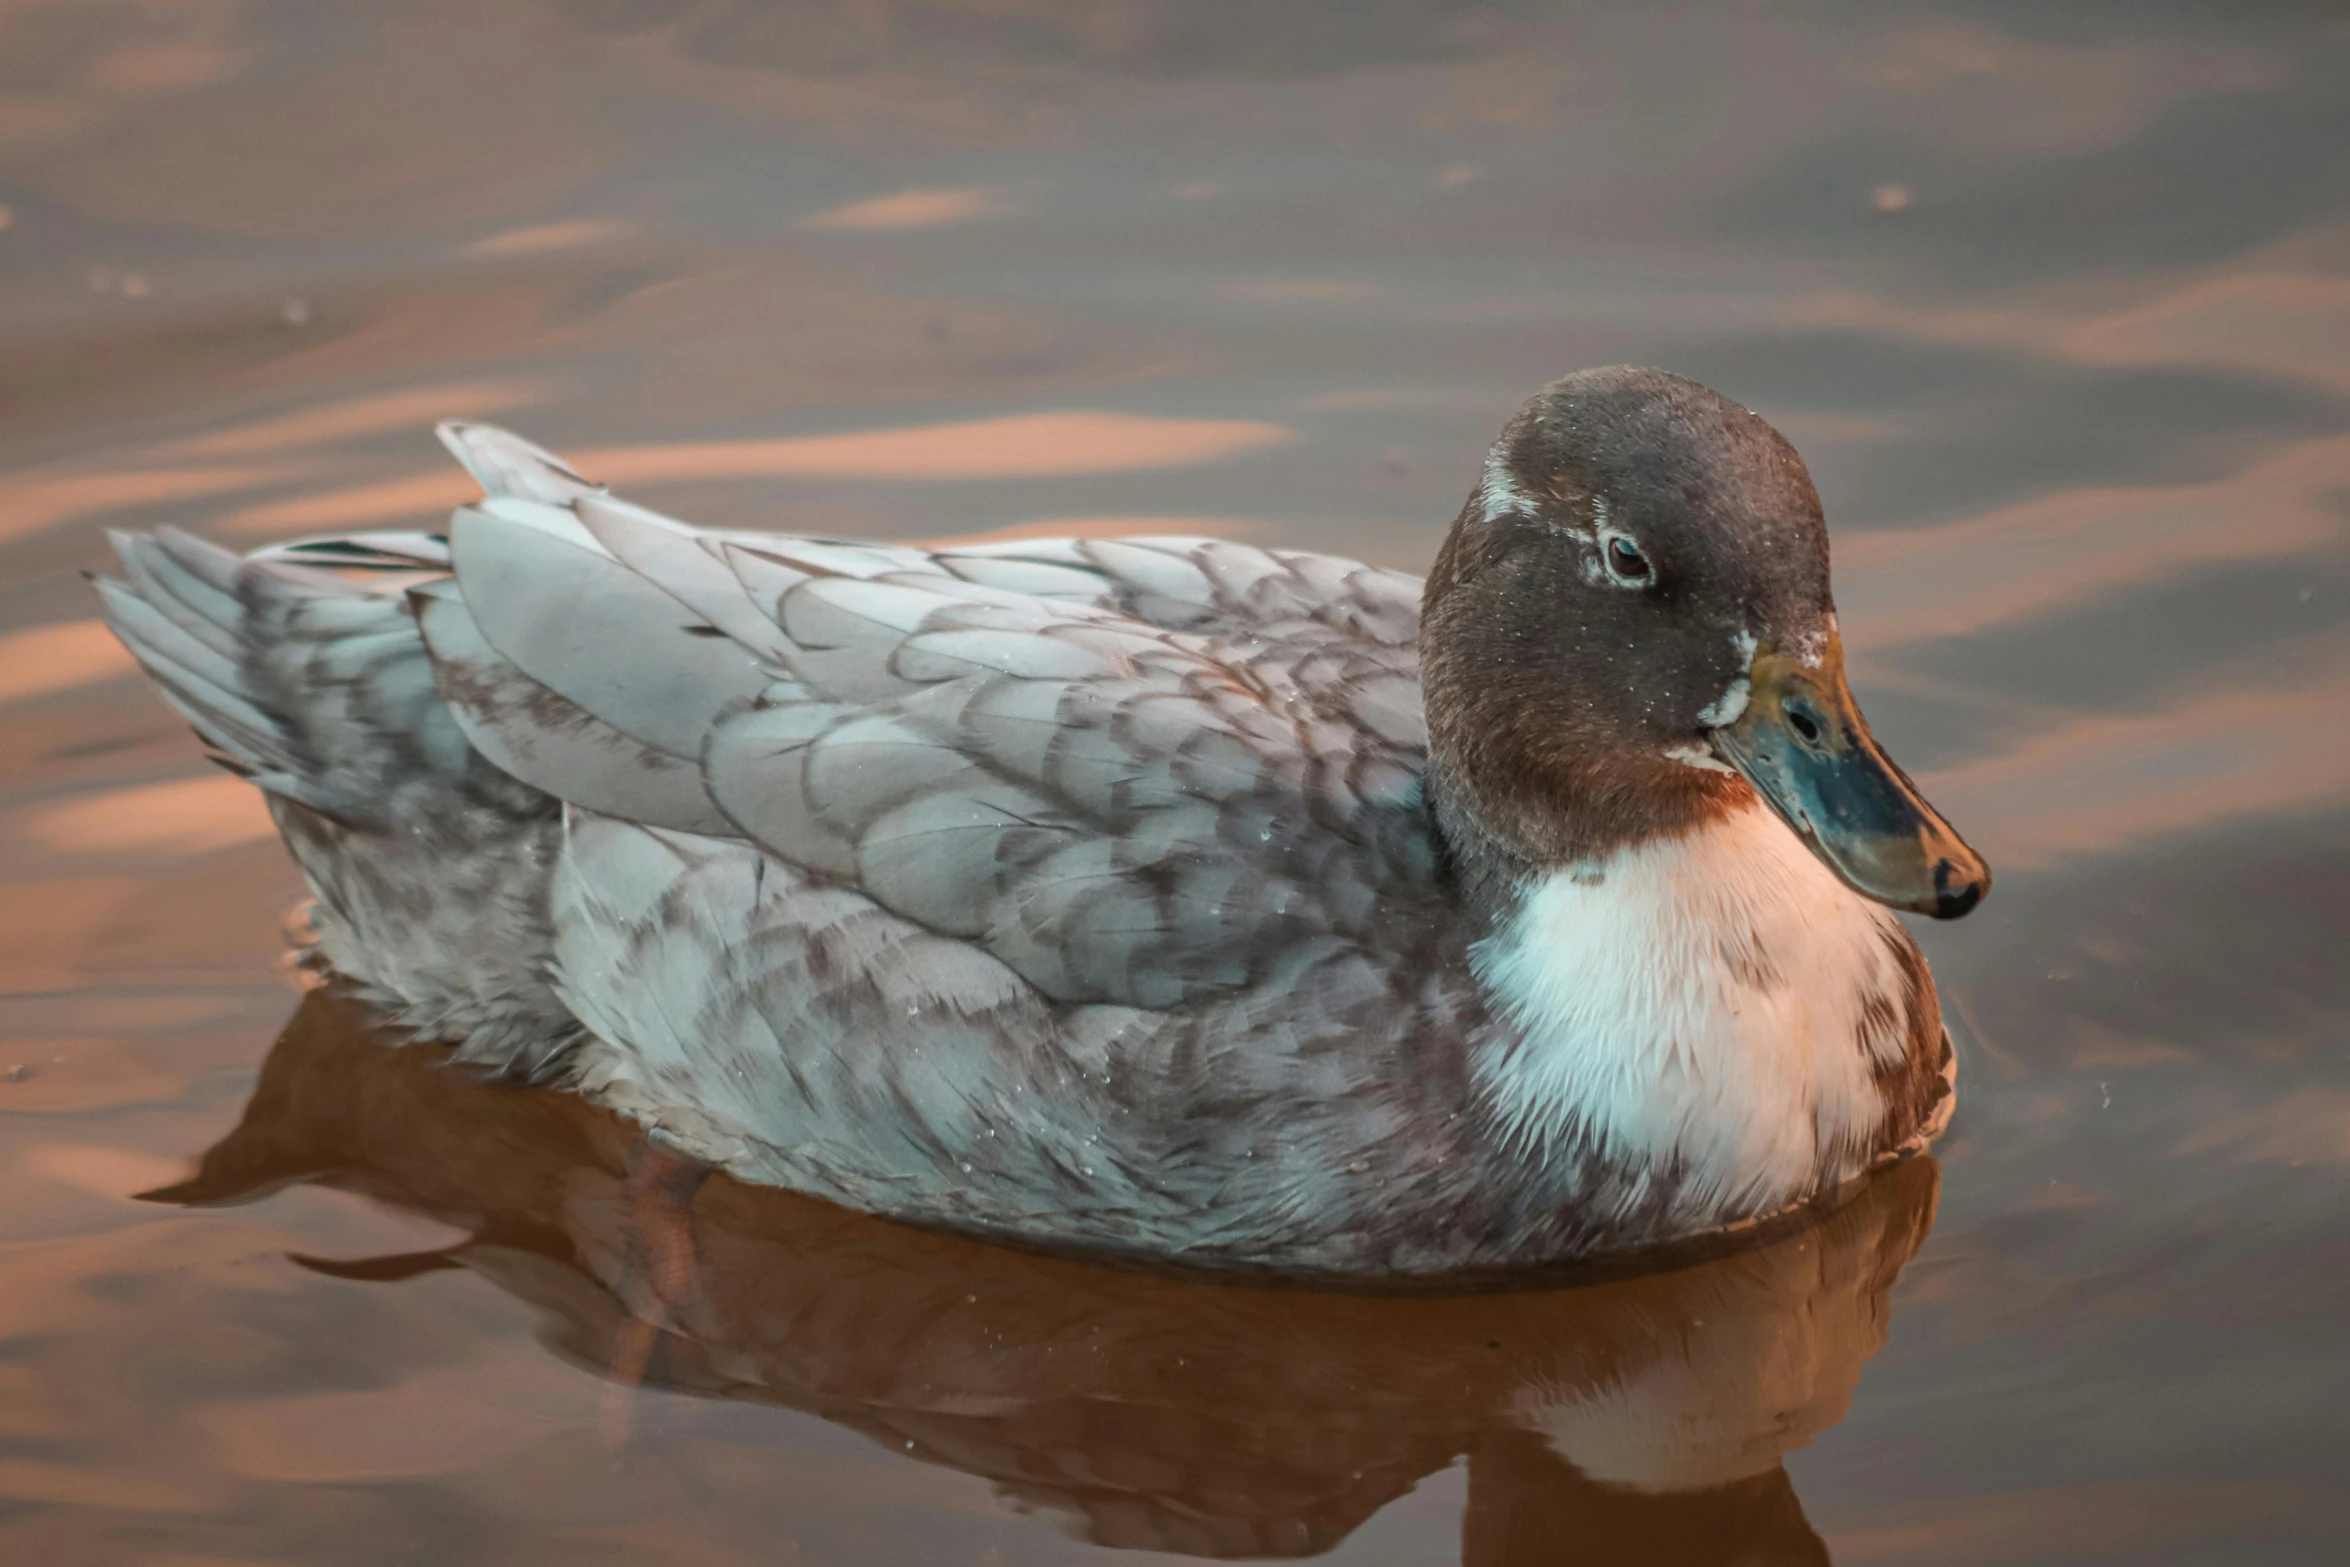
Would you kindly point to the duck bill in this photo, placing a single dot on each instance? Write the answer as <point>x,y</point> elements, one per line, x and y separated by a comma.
<point>1804,746</point>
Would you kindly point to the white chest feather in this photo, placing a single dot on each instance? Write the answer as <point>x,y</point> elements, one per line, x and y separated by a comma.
<point>1701,1003</point>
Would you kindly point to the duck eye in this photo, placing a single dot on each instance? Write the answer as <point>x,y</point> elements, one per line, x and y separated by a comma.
<point>1626,561</point>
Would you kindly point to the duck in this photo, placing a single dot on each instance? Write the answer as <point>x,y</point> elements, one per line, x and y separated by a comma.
<point>1168,899</point>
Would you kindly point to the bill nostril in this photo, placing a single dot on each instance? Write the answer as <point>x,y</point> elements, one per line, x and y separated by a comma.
<point>1801,721</point>
<point>1955,890</point>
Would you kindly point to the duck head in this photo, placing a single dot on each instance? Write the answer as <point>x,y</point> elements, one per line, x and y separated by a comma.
<point>1629,632</point>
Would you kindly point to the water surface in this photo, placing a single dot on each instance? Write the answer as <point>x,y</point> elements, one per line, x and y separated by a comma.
<point>2056,301</point>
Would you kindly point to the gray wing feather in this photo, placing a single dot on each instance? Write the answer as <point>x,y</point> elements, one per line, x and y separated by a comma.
<point>682,564</point>
<point>753,996</point>
<point>837,557</point>
<point>591,629</point>
<point>549,742</point>
<point>704,960</point>
<point>1020,574</point>
<point>755,768</point>
<point>1211,587</point>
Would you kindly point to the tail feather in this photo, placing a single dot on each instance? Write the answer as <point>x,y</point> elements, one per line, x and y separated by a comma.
<point>191,582</point>
<point>429,863</point>
<point>316,690</point>
<point>177,619</point>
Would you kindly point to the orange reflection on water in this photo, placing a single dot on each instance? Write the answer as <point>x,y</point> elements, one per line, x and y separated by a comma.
<point>319,424</point>
<point>187,816</point>
<point>33,501</point>
<point>99,1169</point>
<point>2272,315</point>
<point>44,659</point>
<point>541,237</point>
<point>2056,551</point>
<point>2289,323</point>
<point>910,209</point>
<point>1022,446</point>
<point>2064,1523</point>
<point>49,925</point>
<point>2307,1126</point>
<point>2100,784</point>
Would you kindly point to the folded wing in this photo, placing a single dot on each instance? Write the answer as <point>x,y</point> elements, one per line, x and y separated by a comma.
<point>1135,772</point>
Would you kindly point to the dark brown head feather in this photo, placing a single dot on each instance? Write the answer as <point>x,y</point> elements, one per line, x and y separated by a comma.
<point>1554,689</point>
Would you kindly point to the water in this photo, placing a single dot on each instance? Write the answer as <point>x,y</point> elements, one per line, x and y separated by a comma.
<point>2055,301</point>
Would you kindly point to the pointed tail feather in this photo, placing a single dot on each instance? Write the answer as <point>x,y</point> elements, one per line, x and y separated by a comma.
<point>316,690</point>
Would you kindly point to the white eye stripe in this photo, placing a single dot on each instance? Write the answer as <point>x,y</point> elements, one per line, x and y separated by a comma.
<point>1499,492</point>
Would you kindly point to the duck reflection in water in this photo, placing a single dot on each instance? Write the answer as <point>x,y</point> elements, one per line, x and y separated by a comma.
<point>1635,1418</point>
